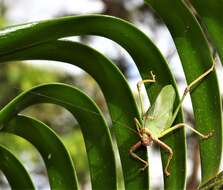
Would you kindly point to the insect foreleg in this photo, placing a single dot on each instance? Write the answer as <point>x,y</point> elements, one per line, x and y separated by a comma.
<point>169,150</point>
<point>139,85</point>
<point>134,155</point>
<point>189,88</point>
<point>184,125</point>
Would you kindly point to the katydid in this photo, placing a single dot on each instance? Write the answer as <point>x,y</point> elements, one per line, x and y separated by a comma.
<point>157,121</point>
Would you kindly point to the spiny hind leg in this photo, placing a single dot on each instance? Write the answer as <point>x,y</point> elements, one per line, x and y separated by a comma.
<point>139,86</point>
<point>169,150</point>
<point>134,155</point>
<point>189,88</point>
<point>198,79</point>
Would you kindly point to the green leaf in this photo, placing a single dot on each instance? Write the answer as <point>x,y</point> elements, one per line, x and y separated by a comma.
<point>14,171</point>
<point>122,112</point>
<point>57,160</point>
<point>215,183</point>
<point>196,58</point>
<point>211,15</point>
<point>95,132</point>
<point>146,56</point>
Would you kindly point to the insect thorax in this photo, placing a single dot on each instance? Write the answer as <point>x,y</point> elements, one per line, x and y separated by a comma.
<point>146,136</point>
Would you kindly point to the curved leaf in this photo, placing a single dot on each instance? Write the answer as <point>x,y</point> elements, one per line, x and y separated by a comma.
<point>145,54</point>
<point>196,58</point>
<point>14,171</point>
<point>122,112</point>
<point>57,160</point>
<point>95,132</point>
<point>211,15</point>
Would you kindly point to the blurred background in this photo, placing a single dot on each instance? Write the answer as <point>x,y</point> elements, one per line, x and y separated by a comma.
<point>20,76</point>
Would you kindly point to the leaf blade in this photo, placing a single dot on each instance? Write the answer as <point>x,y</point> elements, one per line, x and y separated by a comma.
<point>210,12</point>
<point>94,63</point>
<point>57,160</point>
<point>138,46</point>
<point>14,171</point>
<point>189,39</point>
<point>96,136</point>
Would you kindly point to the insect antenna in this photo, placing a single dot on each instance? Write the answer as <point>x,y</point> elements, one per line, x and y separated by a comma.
<point>129,128</point>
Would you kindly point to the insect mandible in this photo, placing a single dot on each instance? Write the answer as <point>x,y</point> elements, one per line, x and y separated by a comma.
<point>157,121</point>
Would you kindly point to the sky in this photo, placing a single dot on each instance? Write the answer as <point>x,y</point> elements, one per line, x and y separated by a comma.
<point>42,10</point>
<point>45,9</point>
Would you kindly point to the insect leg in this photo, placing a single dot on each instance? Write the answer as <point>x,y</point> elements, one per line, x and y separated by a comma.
<point>139,85</point>
<point>184,125</point>
<point>131,152</point>
<point>138,125</point>
<point>198,79</point>
<point>169,150</point>
<point>189,88</point>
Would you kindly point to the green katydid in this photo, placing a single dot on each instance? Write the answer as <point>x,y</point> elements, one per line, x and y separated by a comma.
<point>158,119</point>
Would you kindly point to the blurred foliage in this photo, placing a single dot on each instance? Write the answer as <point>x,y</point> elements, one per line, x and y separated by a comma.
<point>32,76</point>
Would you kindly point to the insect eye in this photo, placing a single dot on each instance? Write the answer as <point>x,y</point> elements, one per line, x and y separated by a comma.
<point>149,135</point>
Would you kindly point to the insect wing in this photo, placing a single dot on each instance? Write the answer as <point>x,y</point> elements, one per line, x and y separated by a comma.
<point>159,115</point>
